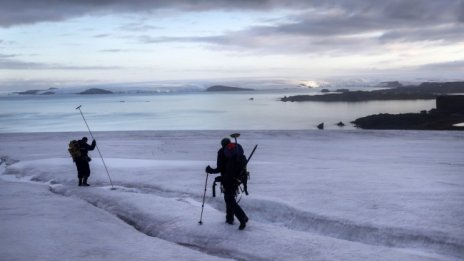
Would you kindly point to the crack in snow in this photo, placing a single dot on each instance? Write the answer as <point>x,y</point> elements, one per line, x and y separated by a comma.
<point>265,211</point>
<point>142,222</point>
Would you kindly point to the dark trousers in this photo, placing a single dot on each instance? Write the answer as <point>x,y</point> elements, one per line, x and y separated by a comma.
<point>233,209</point>
<point>83,170</point>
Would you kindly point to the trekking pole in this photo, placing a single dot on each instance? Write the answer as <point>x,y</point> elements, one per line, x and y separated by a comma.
<point>203,204</point>
<point>101,156</point>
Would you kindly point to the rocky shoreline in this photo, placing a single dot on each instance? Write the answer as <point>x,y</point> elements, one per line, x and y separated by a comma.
<point>411,121</point>
<point>449,113</point>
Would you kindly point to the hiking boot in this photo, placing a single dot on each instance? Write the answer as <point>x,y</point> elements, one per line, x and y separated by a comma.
<point>230,222</point>
<point>85,185</point>
<point>243,224</point>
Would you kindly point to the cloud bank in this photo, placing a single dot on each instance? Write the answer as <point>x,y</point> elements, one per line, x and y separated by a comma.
<point>33,11</point>
<point>319,28</point>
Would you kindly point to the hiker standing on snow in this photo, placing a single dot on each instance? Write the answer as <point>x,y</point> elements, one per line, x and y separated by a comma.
<point>229,164</point>
<point>82,162</point>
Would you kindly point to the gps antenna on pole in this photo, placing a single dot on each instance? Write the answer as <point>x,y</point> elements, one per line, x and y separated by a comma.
<point>235,136</point>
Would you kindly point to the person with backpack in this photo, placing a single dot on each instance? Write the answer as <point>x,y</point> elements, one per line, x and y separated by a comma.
<point>79,151</point>
<point>231,162</point>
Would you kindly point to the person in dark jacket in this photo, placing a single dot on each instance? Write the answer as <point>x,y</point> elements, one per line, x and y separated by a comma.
<point>230,185</point>
<point>82,162</point>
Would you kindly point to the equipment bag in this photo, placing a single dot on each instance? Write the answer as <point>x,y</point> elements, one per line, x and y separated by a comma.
<point>74,149</point>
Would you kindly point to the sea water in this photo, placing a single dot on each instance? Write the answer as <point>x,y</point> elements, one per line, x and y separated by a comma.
<point>255,110</point>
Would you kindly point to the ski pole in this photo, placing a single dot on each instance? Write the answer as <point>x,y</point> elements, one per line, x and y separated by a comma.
<point>101,156</point>
<point>203,204</point>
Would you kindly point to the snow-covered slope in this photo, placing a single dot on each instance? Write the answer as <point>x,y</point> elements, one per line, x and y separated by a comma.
<point>342,195</point>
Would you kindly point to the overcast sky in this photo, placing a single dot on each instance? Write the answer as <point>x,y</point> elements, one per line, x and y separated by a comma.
<point>62,42</point>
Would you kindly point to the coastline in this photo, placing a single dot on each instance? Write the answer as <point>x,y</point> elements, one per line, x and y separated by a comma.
<point>424,91</point>
<point>449,112</point>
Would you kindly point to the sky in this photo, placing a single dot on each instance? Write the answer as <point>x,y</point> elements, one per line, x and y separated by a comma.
<point>68,43</point>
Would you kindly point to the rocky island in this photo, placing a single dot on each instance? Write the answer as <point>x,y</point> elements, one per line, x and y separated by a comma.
<point>223,88</point>
<point>96,91</point>
<point>49,91</point>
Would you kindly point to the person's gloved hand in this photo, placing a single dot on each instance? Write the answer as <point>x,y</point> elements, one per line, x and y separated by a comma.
<point>94,142</point>
<point>209,169</point>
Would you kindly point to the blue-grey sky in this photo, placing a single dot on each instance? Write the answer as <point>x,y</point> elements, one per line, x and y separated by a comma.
<point>64,42</point>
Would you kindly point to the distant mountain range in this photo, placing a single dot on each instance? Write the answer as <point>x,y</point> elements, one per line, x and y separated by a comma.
<point>391,90</point>
<point>50,91</point>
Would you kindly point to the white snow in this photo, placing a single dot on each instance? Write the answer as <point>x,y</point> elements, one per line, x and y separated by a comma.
<point>314,195</point>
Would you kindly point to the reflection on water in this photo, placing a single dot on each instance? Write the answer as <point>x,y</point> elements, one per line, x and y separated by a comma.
<point>186,111</point>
